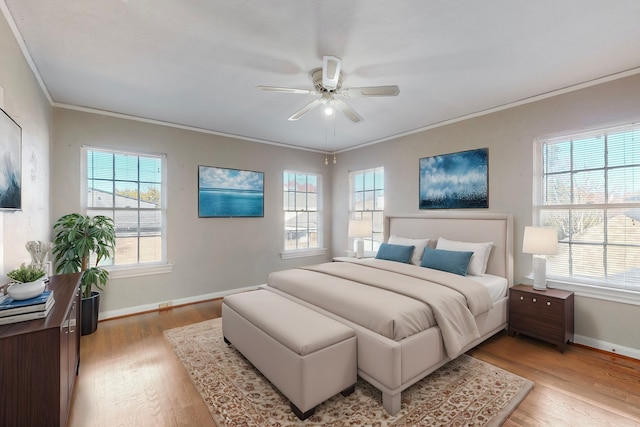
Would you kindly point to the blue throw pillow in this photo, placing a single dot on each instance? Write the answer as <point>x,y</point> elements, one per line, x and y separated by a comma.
<point>398,253</point>
<point>451,261</point>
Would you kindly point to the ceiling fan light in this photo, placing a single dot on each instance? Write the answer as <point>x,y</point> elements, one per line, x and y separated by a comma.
<point>328,110</point>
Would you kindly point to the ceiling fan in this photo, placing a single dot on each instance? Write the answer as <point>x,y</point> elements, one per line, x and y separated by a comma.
<point>328,84</point>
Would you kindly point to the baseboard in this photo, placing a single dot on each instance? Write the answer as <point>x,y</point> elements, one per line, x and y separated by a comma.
<point>607,346</point>
<point>128,311</point>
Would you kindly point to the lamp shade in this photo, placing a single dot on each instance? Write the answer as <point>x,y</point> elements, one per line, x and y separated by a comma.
<point>540,241</point>
<point>359,228</point>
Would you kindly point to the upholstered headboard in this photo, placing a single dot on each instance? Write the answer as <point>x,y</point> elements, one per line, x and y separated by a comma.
<point>468,227</point>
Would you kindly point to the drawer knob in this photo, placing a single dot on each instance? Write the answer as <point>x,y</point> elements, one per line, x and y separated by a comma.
<point>548,302</point>
<point>521,298</point>
<point>535,300</point>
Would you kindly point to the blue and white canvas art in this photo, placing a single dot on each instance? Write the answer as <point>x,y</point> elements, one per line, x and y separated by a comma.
<point>10,163</point>
<point>230,193</point>
<point>455,181</point>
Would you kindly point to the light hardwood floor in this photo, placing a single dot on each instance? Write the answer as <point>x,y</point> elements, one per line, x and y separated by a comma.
<point>129,376</point>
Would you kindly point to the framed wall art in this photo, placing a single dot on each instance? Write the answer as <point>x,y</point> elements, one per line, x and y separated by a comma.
<point>11,163</point>
<point>455,181</point>
<point>230,193</point>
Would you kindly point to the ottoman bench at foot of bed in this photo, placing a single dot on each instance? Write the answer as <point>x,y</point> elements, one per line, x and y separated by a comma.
<point>307,356</point>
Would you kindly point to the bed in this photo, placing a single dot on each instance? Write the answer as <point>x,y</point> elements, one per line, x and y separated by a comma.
<point>404,338</point>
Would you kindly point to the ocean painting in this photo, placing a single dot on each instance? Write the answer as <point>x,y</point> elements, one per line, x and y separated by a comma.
<point>230,193</point>
<point>455,181</point>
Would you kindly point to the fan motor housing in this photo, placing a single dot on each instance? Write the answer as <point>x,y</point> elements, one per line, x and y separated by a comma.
<point>316,77</point>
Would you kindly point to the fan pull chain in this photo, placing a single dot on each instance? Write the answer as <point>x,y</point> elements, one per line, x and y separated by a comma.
<point>326,151</point>
<point>334,139</point>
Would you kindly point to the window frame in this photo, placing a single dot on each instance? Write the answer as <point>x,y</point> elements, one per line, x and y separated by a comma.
<point>376,213</point>
<point>303,252</point>
<point>593,288</point>
<point>140,268</point>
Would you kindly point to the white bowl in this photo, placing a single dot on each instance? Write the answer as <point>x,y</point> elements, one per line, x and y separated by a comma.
<point>20,291</point>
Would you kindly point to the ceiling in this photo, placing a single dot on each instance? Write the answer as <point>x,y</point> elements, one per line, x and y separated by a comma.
<point>196,63</point>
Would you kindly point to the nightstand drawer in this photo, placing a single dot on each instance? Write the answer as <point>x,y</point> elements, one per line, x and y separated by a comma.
<point>550,331</point>
<point>540,307</point>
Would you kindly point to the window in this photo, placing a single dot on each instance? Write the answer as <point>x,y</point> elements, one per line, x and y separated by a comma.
<point>367,202</point>
<point>301,211</point>
<point>129,188</point>
<point>587,186</point>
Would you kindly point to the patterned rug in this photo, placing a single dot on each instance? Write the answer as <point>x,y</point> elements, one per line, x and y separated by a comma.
<point>464,392</point>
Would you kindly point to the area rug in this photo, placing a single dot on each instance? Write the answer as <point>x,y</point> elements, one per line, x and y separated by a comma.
<point>464,392</point>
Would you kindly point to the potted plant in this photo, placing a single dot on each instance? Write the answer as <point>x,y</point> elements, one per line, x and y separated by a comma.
<point>26,274</point>
<point>26,282</point>
<point>77,238</point>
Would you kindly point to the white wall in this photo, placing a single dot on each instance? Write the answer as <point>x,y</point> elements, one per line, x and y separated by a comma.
<point>25,102</point>
<point>509,135</point>
<point>210,255</point>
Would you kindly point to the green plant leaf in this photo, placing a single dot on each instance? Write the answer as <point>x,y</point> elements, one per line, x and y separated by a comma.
<point>26,274</point>
<point>76,238</point>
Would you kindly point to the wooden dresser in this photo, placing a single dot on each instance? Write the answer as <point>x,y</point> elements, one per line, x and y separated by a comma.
<point>39,361</point>
<point>546,315</point>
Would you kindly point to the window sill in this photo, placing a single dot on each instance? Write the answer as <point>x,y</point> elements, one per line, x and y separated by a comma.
<point>596,292</point>
<point>116,272</point>
<point>303,253</point>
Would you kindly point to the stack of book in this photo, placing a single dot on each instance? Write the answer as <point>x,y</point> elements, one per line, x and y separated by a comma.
<point>14,311</point>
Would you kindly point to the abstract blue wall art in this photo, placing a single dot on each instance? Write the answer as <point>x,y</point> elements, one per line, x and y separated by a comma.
<point>455,181</point>
<point>230,193</point>
<point>10,163</point>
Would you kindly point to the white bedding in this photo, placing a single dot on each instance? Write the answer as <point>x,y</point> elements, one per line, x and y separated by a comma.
<point>393,299</point>
<point>497,286</point>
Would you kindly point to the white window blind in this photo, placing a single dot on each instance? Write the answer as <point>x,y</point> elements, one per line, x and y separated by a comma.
<point>129,188</point>
<point>367,202</point>
<point>301,211</point>
<point>587,186</point>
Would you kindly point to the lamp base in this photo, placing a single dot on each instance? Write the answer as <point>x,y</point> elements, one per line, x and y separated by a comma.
<point>359,248</point>
<point>539,272</point>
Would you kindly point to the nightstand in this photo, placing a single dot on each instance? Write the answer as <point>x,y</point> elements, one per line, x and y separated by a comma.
<point>546,314</point>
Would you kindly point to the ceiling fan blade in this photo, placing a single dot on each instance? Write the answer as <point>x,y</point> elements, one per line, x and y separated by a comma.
<point>310,106</point>
<point>370,91</point>
<point>287,90</point>
<point>331,71</point>
<point>348,111</point>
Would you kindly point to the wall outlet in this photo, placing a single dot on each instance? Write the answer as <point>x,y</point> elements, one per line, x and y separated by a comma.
<point>165,305</point>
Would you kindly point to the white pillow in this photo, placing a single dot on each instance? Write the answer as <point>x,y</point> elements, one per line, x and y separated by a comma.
<point>418,250</point>
<point>479,259</point>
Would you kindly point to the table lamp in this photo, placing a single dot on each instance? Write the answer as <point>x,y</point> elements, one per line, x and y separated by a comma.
<point>359,229</point>
<point>540,242</point>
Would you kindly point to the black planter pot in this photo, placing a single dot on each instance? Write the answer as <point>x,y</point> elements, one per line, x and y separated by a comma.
<point>90,309</point>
